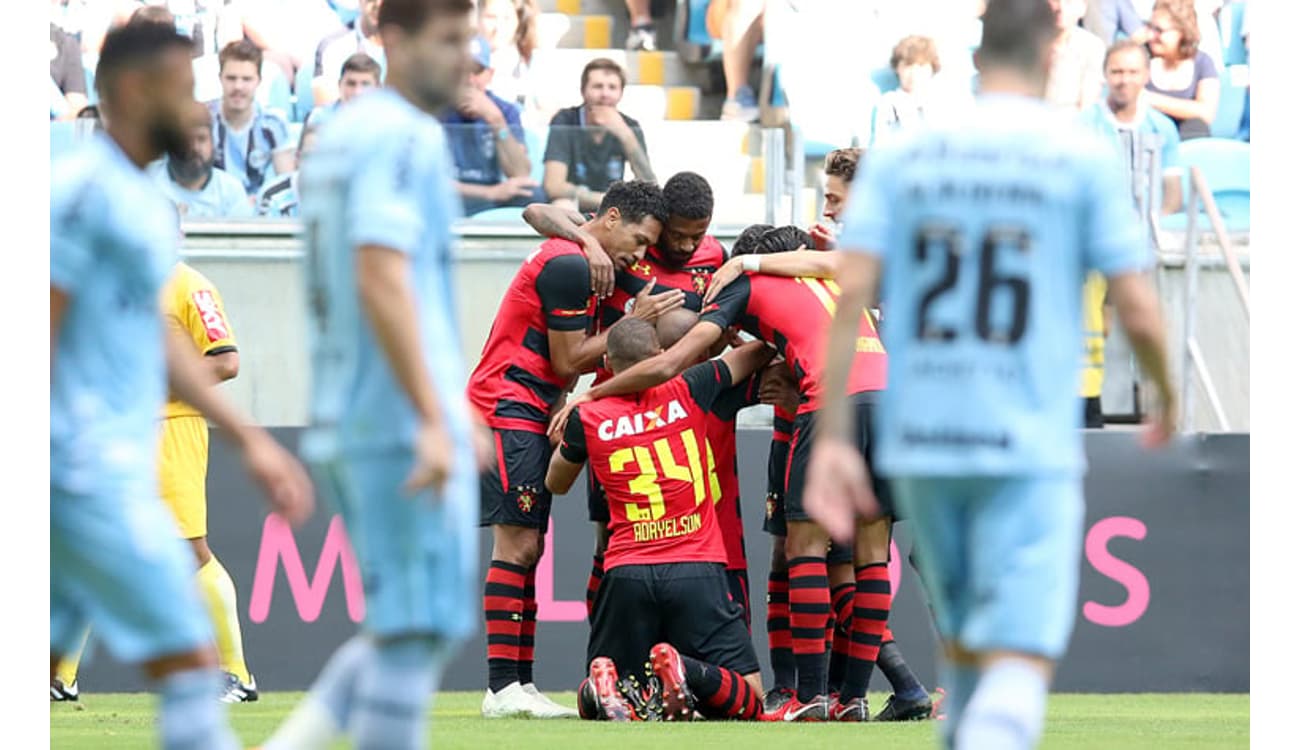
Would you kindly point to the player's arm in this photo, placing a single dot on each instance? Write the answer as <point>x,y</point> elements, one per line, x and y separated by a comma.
<point>569,457</point>
<point>566,224</point>
<point>736,389</point>
<point>857,280</point>
<point>214,337</point>
<point>58,304</point>
<point>795,263</point>
<point>555,180</point>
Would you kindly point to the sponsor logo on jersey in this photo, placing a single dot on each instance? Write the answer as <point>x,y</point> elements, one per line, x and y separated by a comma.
<point>635,424</point>
<point>213,321</point>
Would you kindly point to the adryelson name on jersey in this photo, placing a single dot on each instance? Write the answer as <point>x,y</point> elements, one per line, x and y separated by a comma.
<point>635,424</point>
<point>649,531</point>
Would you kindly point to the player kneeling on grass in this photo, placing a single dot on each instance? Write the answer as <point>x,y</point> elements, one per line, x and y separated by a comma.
<point>664,586</point>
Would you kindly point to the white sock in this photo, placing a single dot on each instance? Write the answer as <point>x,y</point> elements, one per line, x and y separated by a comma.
<point>1007,710</point>
<point>394,692</point>
<point>191,717</point>
<point>959,683</point>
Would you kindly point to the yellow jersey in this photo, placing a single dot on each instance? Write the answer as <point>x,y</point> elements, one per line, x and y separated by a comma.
<point>192,304</point>
<point>1094,335</point>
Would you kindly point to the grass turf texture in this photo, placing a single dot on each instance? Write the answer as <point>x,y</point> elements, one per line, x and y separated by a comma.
<point>1114,722</point>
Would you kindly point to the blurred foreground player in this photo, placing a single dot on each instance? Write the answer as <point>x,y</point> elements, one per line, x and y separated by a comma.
<point>116,562</point>
<point>392,438</point>
<point>664,593</point>
<point>985,233</point>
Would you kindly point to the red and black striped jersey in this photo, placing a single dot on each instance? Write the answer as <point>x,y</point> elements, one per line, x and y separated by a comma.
<point>692,278</point>
<point>651,453</point>
<point>795,316</point>
<point>722,437</point>
<point>514,386</point>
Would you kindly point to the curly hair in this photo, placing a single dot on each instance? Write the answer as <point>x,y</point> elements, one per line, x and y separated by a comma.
<point>784,239</point>
<point>915,50</point>
<point>1183,14</point>
<point>843,163</point>
<point>635,200</point>
<point>747,241</point>
<point>689,196</point>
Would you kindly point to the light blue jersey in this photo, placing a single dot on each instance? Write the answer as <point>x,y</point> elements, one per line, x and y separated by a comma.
<point>247,154</point>
<point>222,197</point>
<point>116,560</point>
<point>986,230</point>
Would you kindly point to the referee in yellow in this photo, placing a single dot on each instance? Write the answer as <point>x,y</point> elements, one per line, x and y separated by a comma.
<point>1096,327</point>
<point>193,304</point>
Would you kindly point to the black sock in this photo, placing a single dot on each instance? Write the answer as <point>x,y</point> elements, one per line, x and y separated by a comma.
<point>900,676</point>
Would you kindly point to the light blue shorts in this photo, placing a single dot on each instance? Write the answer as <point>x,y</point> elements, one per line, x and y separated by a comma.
<point>1001,557</point>
<point>117,564</point>
<point>418,554</point>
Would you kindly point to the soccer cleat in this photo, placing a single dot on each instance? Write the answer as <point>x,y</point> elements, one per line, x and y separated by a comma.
<point>817,709</point>
<point>775,698</point>
<point>647,701</point>
<point>937,713</point>
<point>237,692</point>
<point>642,39</point>
<point>855,710</point>
<point>509,701</point>
<point>666,663</point>
<point>901,709</point>
<point>603,679</point>
<point>547,708</point>
<point>59,692</point>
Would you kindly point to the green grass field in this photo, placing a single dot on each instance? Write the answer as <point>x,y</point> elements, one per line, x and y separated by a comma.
<point>1113,722</point>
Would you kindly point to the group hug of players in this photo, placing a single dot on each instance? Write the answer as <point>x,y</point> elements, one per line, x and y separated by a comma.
<point>643,296</point>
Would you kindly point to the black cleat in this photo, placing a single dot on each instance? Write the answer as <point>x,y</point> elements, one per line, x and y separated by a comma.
<point>60,692</point>
<point>898,709</point>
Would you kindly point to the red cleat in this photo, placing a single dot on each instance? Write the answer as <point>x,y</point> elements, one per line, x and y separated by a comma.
<point>817,709</point>
<point>936,712</point>
<point>666,663</point>
<point>602,680</point>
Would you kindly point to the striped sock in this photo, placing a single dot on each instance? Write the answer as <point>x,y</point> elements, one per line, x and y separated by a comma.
<point>779,643</point>
<point>503,610</point>
<point>870,613</point>
<point>810,605</point>
<point>722,693</point>
<point>593,582</point>
<point>528,631</point>
<point>841,620</point>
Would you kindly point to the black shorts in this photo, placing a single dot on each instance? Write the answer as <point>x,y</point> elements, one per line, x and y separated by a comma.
<point>778,457</point>
<point>685,604</point>
<point>801,443</point>
<point>839,554</point>
<point>597,503</point>
<point>512,492</point>
<point>738,585</point>
<point>1092,416</point>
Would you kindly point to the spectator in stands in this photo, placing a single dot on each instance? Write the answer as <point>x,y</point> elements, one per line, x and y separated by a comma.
<point>916,60</point>
<point>590,145</point>
<point>198,188</point>
<point>360,74</point>
<point>510,26</point>
<point>1184,81</point>
<point>337,48</point>
<point>742,30</point>
<point>1127,119</point>
<point>841,165</point>
<point>250,141</point>
<point>287,31</point>
<point>641,27</point>
<point>279,199</point>
<point>487,143</point>
<point>1076,78</point>
<point>1109,19</point>
<point>67,75</point>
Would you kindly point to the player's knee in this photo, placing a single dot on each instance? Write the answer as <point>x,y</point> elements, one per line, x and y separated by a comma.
<point>871,543</point>
<point>805,540</point>
<point>517,545</point>
<point>779,564</point>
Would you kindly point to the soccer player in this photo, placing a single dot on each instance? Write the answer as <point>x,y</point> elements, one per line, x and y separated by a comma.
<point>116,562</point>
<point>391,435</point>
<point>685,258</point>
<point>985,232</point>
<point>794,314</point>
<point>664,588</point>
<point>538,345</point>
<point>192,305</point>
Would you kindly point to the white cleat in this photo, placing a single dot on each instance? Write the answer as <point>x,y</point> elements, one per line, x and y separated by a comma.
<point>547,708</point>
<point>509,701</point>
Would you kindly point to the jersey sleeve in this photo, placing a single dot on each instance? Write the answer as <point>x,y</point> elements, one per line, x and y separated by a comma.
<point>1112,241</point>
<point>866,228</point>
<point>71,238</point>
<point>204,318</point>
<point>279,130</point>
<point>383,205</point>
<point>573,446</point>
<point>564,287</point>
<point>707,381</point>
<point>729,306</point>
<point>745,393</point>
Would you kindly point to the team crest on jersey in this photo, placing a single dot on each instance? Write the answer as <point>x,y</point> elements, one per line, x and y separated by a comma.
<point>700,281</point>
<point>636,424</point>
<point>526,496</point>
<point>771,505</point>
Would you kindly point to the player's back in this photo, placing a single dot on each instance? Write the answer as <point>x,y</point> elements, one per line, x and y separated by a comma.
<point>112,242</point>
<point>651,453</point>
<point>986,231</point>
<point>379,176</point>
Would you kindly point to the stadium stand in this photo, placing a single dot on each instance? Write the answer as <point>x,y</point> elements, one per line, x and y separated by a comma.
<point>1225,163</point>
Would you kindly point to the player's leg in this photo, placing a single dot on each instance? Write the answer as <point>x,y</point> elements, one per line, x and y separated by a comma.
<point>223,609</point>
<point>625,623</point>
<point>871,600</point>
<point>598,512</point>
<point>839,571</point>
<point>1026,570</point>
<point>780,644</point>
<point>63,681</point>
<point>103,543</point>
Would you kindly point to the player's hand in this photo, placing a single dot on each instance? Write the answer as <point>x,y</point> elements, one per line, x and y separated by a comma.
<point>778,387</point>
<point>561,418</point>
<point>729,272</point>
<point>601,265</point>
<point>838,489</point>
<point>823,237</point>
<point>433,459</point>
<point>512,188</point>
<point>649,307</point>
<point>288,489</point>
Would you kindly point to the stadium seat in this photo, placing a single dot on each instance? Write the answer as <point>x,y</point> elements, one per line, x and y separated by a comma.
<point>503,215</point>
<point>535,140</point>
<point>1232,102</point>
<point>1234,49</point>
<point>303,100</point>
<point>885,79</point>
<point>274,91</point>
<point>1225,163</point>
<point>691,33</point>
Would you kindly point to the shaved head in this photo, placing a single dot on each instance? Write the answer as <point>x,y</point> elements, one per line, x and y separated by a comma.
<point>674,324</point>
<point>630,341</point>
